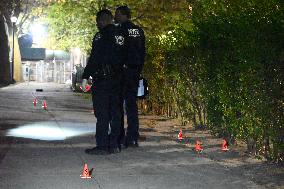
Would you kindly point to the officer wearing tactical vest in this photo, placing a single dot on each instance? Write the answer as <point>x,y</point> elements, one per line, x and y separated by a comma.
<point>105,67</point>
<point>134,54</point>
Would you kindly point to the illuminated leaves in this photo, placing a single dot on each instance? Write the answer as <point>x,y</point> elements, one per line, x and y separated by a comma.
<point>73,22</point>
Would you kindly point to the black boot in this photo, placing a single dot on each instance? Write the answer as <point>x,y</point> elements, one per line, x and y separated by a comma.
<point>97,151</point>
<point>131,144</point>
<point>114,150</point>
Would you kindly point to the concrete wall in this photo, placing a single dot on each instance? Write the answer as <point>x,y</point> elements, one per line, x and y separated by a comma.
<point>17,62</point>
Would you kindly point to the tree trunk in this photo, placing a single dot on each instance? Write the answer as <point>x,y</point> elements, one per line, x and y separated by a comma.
<point>5,74</point>
<point>204,115</point>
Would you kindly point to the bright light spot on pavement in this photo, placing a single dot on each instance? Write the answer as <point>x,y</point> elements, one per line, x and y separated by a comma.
<point>51,131</point>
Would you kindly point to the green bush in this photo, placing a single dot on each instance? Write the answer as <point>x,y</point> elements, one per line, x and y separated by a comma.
<point>226,71</point>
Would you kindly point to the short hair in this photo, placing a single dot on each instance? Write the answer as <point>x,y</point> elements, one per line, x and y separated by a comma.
<point>105,14</point>
<point>124,10</point>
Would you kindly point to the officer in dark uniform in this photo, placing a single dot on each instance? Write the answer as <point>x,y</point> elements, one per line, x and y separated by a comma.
<point>134,55</point>
<point>105,67</point>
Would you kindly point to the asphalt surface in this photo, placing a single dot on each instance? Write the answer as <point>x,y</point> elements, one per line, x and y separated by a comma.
<point>44,149</point>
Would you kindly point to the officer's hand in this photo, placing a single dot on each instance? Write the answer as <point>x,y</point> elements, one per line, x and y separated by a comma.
<point>84,83</point>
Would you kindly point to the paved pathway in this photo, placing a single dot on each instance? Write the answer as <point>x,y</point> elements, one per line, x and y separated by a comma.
<point>45,150</point>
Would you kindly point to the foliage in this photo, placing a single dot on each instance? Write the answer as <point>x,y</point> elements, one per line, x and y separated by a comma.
<point>172,72</point>
<point>7,7</point>
<point>73,22</point>
<point>243,73</point>
<point>217,63</point>
<point>228,69</point>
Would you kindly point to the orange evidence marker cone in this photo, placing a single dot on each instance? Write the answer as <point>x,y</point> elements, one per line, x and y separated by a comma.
<point>35,102</point>
<point>180,135</point>
<point>44,105</point>
<point>198,147</point>
<point>85,173</point>
<point>225,146</point>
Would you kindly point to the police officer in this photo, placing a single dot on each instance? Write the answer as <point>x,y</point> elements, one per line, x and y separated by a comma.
<point>134,55</point>
<point>105,67</point>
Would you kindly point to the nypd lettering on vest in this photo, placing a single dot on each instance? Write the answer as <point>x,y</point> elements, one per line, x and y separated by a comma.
<point>133,32</point>
<point>119,39</point>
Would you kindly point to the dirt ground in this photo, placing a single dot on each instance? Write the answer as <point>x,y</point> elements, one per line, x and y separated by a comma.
<point>260,171</point>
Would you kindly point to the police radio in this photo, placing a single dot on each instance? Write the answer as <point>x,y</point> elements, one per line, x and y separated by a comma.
<point>142,88</point>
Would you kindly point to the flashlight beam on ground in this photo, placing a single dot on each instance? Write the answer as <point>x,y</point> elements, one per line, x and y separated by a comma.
<point>51,131</point>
